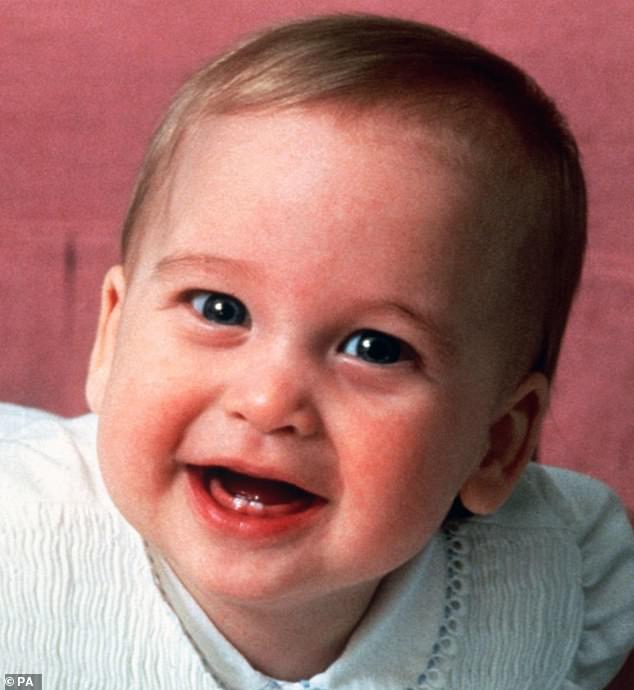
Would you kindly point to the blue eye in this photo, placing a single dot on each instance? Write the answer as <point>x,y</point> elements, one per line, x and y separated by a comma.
<point>220,308</point>
<point>376,347</point>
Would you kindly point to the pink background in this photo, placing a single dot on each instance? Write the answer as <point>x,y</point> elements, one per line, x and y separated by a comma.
<point>82,84</point>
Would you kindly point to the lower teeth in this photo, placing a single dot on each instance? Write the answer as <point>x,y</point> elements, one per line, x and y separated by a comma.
<point>242,504</point>
<point>250,502</point>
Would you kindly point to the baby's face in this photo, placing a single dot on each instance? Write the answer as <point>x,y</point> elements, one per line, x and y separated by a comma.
<point>294,383</point>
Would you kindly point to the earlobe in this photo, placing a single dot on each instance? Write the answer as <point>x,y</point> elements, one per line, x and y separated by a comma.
<point>112,295</point>
<point>513,437</point>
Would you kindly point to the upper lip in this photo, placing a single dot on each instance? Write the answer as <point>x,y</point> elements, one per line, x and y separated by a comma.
<point>257,470</point>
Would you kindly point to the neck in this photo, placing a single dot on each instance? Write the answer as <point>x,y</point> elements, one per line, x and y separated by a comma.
<point>291,641</point>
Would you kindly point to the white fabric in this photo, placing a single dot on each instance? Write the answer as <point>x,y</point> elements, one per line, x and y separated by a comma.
<point>539,596</point>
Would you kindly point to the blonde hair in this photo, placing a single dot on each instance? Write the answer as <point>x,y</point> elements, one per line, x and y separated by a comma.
<point>365,61</point>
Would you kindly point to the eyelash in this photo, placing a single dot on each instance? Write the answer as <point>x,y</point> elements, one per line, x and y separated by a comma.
<point>371,346</point>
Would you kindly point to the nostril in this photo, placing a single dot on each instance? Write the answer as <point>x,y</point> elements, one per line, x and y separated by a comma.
<point>286,430</point>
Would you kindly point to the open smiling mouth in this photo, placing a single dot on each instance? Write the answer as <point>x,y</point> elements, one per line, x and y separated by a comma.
<point>247,506</point>
<point>254,495</point>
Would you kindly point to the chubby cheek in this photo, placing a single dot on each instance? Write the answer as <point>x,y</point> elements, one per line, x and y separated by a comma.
<point>140,425</point>
<point>402,475</point>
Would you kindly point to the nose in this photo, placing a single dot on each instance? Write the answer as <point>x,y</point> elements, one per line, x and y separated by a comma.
<point>274,394</point>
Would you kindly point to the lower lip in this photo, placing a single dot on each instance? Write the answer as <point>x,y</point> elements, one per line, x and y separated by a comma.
<point>237,524</point>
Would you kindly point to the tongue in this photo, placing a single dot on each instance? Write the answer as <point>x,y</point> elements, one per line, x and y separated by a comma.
<point>266,491</point>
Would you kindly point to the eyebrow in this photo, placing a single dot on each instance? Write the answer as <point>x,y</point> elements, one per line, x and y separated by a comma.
<point>175,263</point>
<point>443,338</point>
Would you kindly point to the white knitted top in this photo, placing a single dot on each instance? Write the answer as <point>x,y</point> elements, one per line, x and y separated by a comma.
<point>539,596</point>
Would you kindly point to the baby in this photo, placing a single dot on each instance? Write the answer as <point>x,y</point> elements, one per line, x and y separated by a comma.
<point>319,378</point>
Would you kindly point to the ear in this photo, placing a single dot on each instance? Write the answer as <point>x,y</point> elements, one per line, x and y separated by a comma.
<point>513,439</point>
<point>112,296</point>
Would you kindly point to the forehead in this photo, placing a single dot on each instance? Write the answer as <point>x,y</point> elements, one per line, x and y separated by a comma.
<point>332,165</point>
